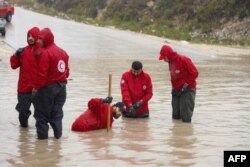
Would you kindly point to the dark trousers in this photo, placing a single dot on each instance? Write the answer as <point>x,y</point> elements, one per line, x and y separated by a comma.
<point>183,105</point>
<point>134,115</point>
<point>23,107</point>
<point>48,109</point>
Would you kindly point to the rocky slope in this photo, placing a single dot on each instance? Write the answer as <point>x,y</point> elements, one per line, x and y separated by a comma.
<point>212,21</point>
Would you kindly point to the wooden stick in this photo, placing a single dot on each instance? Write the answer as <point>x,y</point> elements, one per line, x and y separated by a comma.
<point>109,94</point>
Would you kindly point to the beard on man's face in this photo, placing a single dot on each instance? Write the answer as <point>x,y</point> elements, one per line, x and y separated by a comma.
<point>31,42</point>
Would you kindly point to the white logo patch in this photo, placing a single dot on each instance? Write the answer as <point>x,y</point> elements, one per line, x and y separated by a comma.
<point>144,87</point>
<point>122,81</point>
<point>61,66</point>
<point>177,71</point>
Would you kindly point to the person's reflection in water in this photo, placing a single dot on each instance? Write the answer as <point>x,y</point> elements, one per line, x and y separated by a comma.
<point>25,144</point>
<point>182,144</point>
<point>38,153</point>
<point>135,142</point>
<point>127,143</point>
<point>99,144</point>
<point>97,147</point>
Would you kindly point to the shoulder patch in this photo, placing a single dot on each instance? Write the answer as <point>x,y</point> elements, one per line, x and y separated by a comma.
<point>61,66</point>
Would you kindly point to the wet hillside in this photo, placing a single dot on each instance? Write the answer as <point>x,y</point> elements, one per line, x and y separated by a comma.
<point>210,21</point>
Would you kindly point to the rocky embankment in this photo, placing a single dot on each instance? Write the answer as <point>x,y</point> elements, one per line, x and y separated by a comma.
<point>233,30</point>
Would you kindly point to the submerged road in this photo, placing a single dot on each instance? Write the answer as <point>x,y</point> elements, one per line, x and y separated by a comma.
<point>87,41</point>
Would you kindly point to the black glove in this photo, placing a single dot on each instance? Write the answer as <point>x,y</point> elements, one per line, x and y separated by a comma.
<point>37,53</point>
<point>137,105</point>
<point>132,112</point>
<point>184,88</point>
<point>33,95</point>
<point>107,100</point>
<point>19,51</point>
<point>174,93</point>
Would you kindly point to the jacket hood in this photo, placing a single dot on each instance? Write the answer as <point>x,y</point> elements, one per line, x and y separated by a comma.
<point>34,32</point>
<point>47,36</point>
<point>167,51</point>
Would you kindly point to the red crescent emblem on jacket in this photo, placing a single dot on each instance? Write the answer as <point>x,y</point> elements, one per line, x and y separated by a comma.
<point>61,66</point>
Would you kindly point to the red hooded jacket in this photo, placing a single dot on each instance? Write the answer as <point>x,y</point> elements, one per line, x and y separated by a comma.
<point>182,69</point>
<point>52,61</point>
<point>134,89</point>
<point>27,63</point>
<point>95,117</point>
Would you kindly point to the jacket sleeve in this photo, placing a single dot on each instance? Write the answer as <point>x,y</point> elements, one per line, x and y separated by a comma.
<point>67,67</point>
<point>125,91</point>
<point>192,70</point>
<point>15,62</point>
<point>94,104</point>
<point>43,70</point>
<point>149,93</point>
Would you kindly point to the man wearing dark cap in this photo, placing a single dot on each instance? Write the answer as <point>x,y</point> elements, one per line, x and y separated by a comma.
<point>136,89</point>
<point>95,117</point>
<point>183,75</point>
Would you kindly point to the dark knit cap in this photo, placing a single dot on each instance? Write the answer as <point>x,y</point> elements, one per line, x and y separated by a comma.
<point>121,106</point>
<point>137,65</point>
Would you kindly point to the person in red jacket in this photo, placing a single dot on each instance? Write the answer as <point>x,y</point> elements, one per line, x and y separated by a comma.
<point>136,90</point>
<point>95,117</point>
<point>50,89</point>
<point>25,60</point>
<point>183,75</point>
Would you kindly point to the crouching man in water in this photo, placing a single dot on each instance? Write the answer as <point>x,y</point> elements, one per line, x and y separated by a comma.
<point>136,89</point>
<point>95,117</point>
<point>49,94</point>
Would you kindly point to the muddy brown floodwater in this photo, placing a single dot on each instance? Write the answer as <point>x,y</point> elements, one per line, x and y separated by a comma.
<point>220,121</point>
